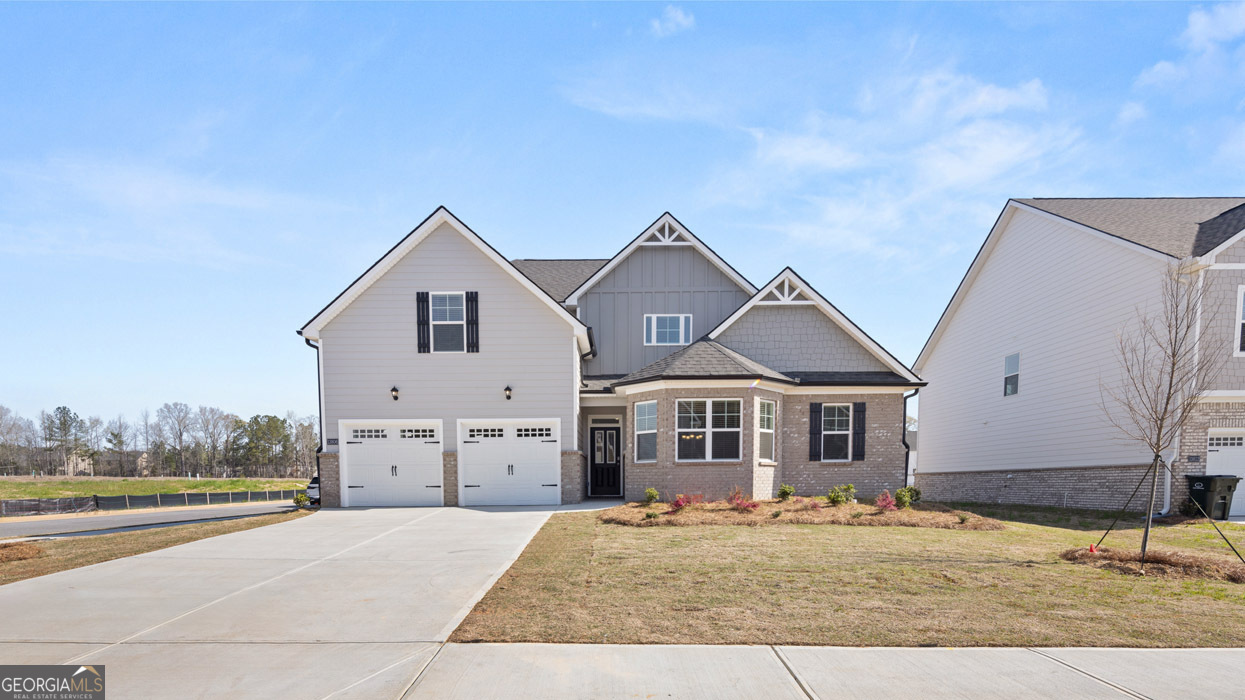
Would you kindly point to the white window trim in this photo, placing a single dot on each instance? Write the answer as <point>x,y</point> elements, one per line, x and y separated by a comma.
<point>772,431</point>
<point>709,431</point>
<point>637,432</point>
<point>432,337</point>
<point>1239,323</point>
<point>851,417</point>
<point>1016,374</point>
<point>685,322</point>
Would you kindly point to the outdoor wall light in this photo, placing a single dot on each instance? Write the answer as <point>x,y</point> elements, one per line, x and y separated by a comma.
<point>508,392</point>
<point>394,393</point>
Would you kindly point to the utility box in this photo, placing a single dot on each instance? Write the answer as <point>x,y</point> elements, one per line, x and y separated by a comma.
<point>1213,493</point>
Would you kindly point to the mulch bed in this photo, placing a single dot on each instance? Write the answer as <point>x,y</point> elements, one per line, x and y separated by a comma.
<point>798,511</point>
<point>1163,564</point>
<point>19,551</point>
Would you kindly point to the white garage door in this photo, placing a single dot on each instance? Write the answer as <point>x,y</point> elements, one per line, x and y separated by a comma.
<point>509,462</point>
<point>391,463</point>
<point>1225,454</point>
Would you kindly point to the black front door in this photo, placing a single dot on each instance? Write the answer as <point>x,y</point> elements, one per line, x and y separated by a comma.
<point>605,462</point>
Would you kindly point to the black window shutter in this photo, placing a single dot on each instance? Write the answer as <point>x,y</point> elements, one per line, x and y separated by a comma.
<point>858,431</point>
<point>421,314</point>
<point>814,432</point>
<point>473,322</point>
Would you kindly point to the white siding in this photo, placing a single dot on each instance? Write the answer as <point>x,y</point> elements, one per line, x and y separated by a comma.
<point>1058,297</point>
<point>371,346</point>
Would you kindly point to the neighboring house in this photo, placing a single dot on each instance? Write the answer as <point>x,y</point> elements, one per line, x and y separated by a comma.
<point>1014,412</point>
<point>451,375</point>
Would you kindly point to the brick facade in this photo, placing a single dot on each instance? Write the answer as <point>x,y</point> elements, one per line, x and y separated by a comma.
<point>1095,488</point>
<point>449,477</point>
<point>883,465</point>
<point>882,468</point>
<point>574,477</point>
<point>330,480</point>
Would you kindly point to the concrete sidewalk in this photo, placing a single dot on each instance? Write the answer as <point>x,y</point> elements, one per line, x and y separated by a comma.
<point>34,526</point>
<point>482,671</point>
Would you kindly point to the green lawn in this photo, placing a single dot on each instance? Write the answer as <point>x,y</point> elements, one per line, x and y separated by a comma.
<point>27,487</point>
<point>581,580</point>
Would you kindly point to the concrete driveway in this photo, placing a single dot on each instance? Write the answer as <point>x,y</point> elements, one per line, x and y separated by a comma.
<point>342,603</point>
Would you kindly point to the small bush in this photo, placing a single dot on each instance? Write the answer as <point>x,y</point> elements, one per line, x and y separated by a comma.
<point>775,514</point>
<point>857,514</point>
<point>785,492</point>
<point>885,501</point>
<point>741,503</point>
<point>916,493</point>
<point>302,500</point>
<point>682,501</point>
<point>651,496</point>
<point>841,495</point>
<point>651,515</point>
<point>906,496</point>
<point>1189,509</point>
<point>963,517</point>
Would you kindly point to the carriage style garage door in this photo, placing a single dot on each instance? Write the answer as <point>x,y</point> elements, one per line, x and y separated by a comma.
<point>509,462</point>
<point>391,463</point>
<point>1225,454</point>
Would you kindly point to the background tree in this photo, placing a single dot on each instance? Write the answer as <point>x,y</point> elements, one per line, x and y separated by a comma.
<point>1163,376</point>
<point>176,420</point>
<point>213,425</point>
<point>118,438</point>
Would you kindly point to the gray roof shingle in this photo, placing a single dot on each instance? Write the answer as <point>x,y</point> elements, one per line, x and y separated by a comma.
<point>558,277</point>
<point>704,358</point>
<point>1177,226</point>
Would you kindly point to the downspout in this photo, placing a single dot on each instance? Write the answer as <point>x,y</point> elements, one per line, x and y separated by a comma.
<point>319,402</point>
<point>592,352</point>
<point>907,449</point>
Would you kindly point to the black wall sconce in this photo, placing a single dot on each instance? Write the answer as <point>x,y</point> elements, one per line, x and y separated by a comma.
<point>508,392</point>
<point>394,393</point>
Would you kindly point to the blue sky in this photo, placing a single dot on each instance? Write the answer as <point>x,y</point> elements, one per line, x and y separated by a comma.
<point>183,185</point>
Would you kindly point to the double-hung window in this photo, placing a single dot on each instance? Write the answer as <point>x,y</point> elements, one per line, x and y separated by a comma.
<point>765,425</point>
<point>708,430</point>
<point>1011,374</point>
<point>1240,320</point>
<point>449,322</point>
<point>836,432</point>
<point>667,329</point>
<point>646,431</point>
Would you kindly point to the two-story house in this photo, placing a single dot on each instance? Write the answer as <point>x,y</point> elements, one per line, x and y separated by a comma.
<point>451,375</point>
<point>1015,411</point>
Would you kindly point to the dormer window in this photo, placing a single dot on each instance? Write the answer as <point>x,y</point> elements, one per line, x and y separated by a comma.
<point>667,329</point>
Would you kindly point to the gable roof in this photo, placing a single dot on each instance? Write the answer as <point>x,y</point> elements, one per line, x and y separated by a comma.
<point>1175,226</point>
<point>704,359</point>
<point>558,277</point>
<point>311,329</point>
<point>666,230</point>
<point>789,289</point>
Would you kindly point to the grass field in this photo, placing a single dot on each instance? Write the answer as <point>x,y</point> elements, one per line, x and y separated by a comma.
<point>27,559</point>
<point>583,580</point>
<point>51,487</point>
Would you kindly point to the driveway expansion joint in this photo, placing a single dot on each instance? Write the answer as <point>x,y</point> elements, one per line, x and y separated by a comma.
<point>1083,672</point>
<point>782,658</point>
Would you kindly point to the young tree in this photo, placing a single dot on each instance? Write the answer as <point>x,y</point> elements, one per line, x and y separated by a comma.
<point>64,434</point>
<point>1162,375</point>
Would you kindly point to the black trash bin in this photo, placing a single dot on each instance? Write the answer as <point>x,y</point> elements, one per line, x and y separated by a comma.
<point>1213,493</point>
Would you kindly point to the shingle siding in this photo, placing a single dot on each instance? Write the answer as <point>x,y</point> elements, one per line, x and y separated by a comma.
<point>1219,314</point>
<point>797,338</point>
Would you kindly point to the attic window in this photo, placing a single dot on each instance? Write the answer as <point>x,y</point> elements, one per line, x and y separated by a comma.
<point>667,329</point>
<point>449,322</point>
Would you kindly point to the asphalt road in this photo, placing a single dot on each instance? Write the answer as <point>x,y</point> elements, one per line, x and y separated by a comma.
<point>26,527</point>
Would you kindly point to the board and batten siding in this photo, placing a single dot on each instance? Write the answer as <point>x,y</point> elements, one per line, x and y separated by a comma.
<point>797,338</point>
<point>371,346</point>
<point>658,279</point>
<point>1220,298</point>
<point>1058,297</point>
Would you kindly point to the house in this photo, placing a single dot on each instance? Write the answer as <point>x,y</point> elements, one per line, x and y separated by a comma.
<point>452,375</point>
<point>1015,413</point>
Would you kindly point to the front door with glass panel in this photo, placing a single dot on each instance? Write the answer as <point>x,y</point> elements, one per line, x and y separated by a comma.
<point>605,467</point>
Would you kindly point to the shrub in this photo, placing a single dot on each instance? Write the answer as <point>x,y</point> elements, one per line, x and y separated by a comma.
<point>682,501</point>
<point>841,495</point>
<point>741,503</point>
<point>885,501</point>
<point>916,493</point>
<point>651,495</point>
<point>775,514</point>
<point>302,500</point>
<point>1189,509</point>
<point>651,515</point>
<point>903,499</point>
<point>785,492</point>
<point>963,517</point>
<point>857,514</point>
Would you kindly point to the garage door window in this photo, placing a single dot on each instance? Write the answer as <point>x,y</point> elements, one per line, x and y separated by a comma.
<point>478,433</point>
<point>535,432</point>
<point>1237,441</point>
<point>368,433</point>
<point>417,433</point>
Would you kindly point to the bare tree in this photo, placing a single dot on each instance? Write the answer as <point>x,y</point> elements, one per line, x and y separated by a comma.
<point>119,438</point>
<point>213,426</point>
<point>176,421</point>
<point>1163,376</point>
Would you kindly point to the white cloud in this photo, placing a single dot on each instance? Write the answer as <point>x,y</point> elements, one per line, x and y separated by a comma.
<point>672,21</point>
<point>1130,112</point>
<point>1209,28</point>
<point>1212,53</point>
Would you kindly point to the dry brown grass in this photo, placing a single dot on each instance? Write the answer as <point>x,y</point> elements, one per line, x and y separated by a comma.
<point>583,580</point>
<point>1167,564</point>
<point>19,551</point>
<point>797,512</point>
<point>72,552</point>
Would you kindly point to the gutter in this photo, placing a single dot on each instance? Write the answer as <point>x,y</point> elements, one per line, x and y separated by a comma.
<point>907,449</point>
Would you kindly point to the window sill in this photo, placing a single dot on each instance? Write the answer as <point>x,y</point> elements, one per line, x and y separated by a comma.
<point>835,461</point>
<point>767,463</point>
<point>708,462</point>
